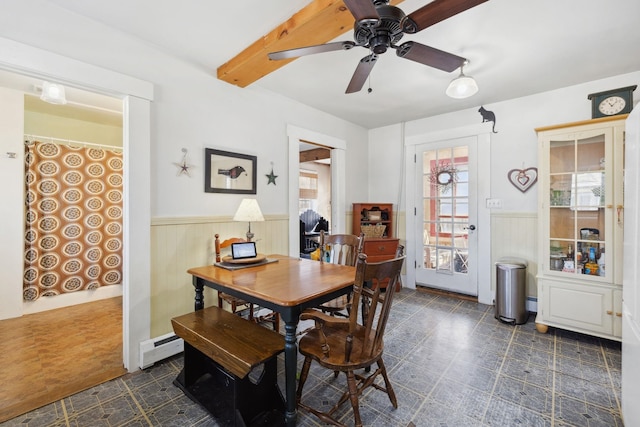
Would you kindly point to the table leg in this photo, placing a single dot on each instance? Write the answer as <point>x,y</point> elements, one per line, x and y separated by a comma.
<point>290,368</point>
<point>199,304</point>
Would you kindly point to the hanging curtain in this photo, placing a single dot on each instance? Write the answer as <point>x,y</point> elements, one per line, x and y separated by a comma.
<point>73,234</point>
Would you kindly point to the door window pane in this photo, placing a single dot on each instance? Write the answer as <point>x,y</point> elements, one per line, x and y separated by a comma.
<point>445,209</point>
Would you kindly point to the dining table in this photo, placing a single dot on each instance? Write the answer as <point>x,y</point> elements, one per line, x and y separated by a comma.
<point>287,285</point>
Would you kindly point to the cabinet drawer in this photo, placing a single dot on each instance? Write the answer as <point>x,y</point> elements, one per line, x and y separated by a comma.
<point>381,249</point>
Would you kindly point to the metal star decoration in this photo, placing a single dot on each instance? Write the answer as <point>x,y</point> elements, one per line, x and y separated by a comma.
<point>271,177</point>
<point>183,166</point>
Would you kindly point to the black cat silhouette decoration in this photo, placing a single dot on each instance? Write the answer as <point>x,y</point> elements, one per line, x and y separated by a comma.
<point>488,116</point>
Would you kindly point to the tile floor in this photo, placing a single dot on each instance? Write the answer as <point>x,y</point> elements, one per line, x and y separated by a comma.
<point>450,361</point>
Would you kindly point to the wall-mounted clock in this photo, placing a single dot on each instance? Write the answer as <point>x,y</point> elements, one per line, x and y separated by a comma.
<point>612,102</point>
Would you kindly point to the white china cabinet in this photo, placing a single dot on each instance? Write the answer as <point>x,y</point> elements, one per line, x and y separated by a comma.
<point>580,224</point>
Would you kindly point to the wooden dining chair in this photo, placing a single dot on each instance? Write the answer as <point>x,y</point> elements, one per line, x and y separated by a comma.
<point>347,345</point>
<point>364,300</point>
<point>236,304</point>
<point>340,249</point>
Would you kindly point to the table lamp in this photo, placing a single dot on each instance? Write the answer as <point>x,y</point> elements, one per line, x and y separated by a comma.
<point>248,211</point>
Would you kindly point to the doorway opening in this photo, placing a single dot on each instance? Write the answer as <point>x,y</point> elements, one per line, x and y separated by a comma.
<point>458,258</point>
<point>91,317</point>
<point>314,195</point>
<point>136,96</point>
<point>75,179</point>
<point>337,148</point>
<point>446,215</point>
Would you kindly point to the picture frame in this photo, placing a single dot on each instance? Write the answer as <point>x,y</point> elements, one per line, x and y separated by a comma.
<point>231,173</point>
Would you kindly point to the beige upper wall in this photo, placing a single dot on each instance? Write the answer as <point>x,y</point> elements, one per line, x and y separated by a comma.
<point>69,122</point>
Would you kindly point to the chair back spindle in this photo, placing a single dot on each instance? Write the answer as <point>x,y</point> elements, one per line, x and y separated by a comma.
<point>236,303</point>
<point>367,287</point>
<point>343,249</point>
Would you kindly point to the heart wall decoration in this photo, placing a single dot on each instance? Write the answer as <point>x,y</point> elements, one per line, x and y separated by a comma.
<point>523,179</point>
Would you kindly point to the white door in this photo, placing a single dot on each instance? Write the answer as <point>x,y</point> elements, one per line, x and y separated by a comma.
<point>446,215</point>
<point>631,273</point>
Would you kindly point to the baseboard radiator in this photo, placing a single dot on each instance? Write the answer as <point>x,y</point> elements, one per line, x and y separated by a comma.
<point>159,348</point>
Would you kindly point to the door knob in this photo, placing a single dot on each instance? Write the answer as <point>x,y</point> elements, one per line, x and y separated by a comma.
<point>471,227</point>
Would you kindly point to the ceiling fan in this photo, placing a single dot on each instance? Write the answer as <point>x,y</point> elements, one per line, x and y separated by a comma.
<point>379,26</point>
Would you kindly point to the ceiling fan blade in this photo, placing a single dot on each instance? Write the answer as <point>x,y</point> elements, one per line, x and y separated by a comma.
<point>309,50</point>
<point>430,56</point>
<point>363,10</point>
<point>362,73</point>
<point>434,12</point>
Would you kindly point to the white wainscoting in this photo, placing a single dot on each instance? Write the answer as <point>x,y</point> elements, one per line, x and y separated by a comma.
<point>178,244</point>
<point>515,234</point>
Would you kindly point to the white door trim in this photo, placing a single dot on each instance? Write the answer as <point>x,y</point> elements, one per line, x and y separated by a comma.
<point>338,181</point>
<point>137,96</point>
<point>483,134</point>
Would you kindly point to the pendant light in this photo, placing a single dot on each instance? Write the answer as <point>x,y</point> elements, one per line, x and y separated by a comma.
<point>53,93</point>
<point>462,86</point>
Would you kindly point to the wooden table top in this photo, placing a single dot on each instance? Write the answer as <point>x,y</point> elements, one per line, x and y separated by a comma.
<point>288,282</point>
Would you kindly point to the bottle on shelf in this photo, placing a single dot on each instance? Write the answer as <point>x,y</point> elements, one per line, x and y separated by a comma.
<point>591,266</point>
<point>579,264</point>
<point>601,271</point>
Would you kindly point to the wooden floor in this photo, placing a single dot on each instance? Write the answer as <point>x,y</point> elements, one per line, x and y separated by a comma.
<point>51,355</point>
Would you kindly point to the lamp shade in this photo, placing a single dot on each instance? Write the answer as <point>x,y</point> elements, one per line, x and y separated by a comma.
<point>53,93</point>
<point>249,210</point>
<point>462,87</point>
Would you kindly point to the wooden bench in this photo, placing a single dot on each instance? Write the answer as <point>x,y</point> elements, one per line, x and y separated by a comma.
<point>220,352</point>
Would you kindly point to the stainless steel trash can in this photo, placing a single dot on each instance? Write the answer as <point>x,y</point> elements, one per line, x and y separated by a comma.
<point>511,290</point>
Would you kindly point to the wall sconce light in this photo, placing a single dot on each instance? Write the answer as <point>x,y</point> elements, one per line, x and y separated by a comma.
<point>53,93</point>
<point>249,210</point>
<point>462,86</point>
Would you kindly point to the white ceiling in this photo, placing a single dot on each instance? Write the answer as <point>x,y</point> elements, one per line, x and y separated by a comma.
<point>516,48</point>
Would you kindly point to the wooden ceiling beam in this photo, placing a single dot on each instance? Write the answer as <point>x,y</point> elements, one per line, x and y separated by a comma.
<point>315,154</point>
<point>319,22</point>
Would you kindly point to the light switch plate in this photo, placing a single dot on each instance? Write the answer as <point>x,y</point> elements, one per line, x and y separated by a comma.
<point>494,203</point>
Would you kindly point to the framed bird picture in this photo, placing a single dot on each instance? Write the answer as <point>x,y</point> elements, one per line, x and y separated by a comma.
<point>227,172</point>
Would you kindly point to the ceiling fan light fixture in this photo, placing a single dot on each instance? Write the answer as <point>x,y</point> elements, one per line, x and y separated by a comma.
<point>53,93</point>
<point>379,26</point>
<point>462,86</point>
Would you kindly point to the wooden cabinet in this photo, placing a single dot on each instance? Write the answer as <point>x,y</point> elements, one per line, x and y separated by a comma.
<point>373,214</point>
<point>580,224</point>
<point>378,250</point>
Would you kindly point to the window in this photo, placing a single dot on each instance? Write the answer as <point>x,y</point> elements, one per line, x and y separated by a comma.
<point>308,185</point>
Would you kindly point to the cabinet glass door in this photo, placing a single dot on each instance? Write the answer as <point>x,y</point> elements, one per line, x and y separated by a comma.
<point>578,197</point>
